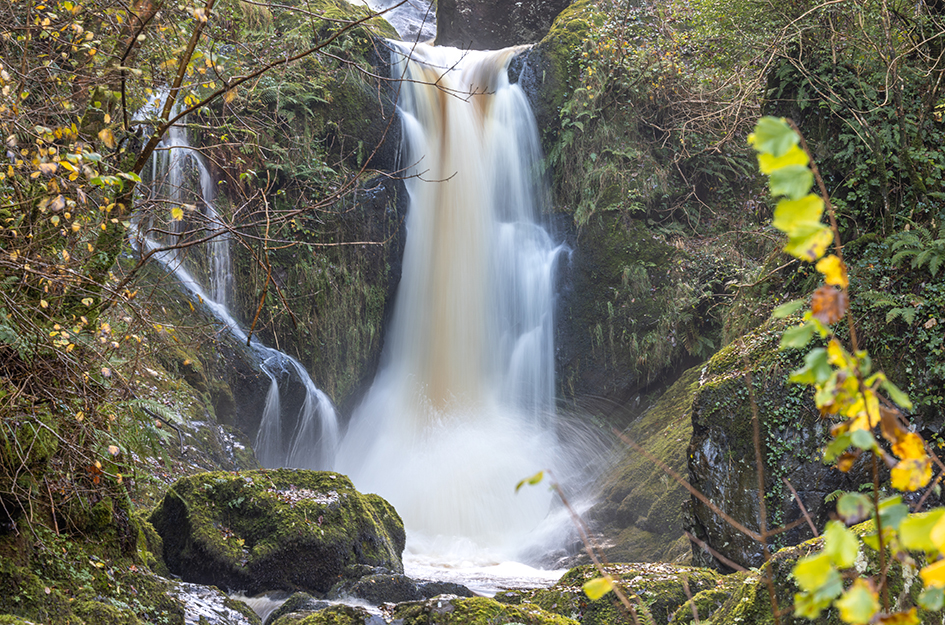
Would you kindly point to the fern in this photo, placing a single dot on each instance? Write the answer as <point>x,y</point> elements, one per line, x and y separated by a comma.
<point>921,247</point>
<point>907,314</point>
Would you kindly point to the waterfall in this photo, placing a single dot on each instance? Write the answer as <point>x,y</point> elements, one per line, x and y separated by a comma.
<point>463,405</point>
<point>180,177</point>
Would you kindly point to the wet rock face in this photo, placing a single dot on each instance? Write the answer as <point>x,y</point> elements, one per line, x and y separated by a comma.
<point>483,25</point>
<point>275,530</point>
<point>722,458</point>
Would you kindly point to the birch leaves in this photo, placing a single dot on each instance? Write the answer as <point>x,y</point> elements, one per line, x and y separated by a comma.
<point>862,403</point>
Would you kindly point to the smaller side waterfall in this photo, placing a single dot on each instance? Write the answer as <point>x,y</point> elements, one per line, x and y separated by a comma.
<point>180,177</point>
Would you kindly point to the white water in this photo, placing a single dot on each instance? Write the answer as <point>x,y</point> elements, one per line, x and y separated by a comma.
<point>463,405</point>
<point>315,438</point>
<point>414,20</point>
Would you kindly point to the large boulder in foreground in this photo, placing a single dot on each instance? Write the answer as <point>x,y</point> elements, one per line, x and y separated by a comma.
<point>276,530</point>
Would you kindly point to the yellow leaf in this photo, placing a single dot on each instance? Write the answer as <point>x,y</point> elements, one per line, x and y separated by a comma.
<point>937,534</point>
<point>835,272</point>
<point>910,475</point>
<point>910,447</point>
<point>48,168</point>
<point>43,303</point>
<point>88,301</point>
<point>177,213</point>
<point>933,576</point>
<point>809,242</point>
<point>859,603</point>
<point>598,587</point>
<point>107,137</point>
<point>767,163</point>
<point>79,416</point>
<point>230,95</point>
<point>790,215</point>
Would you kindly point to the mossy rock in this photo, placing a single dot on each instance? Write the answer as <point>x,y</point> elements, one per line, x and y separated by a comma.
<point>334,615</point>
<point>275,530</point>
<point>474,611</point>
<point>722,456</point>
<point>102,613</point>
<point>749,602</point>
<point>656,590</point>
<point>640,509</point>
<point>9,619</point>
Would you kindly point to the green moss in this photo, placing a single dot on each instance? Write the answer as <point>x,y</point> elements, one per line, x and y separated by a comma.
<point>104,614</point>
<point>562,44</point>
<point>640,504</point>
<point>474,611</point>
<point>335,615</point>
<point>281,529</point>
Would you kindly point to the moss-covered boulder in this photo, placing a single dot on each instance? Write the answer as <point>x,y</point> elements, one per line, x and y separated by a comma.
<point>655,590</point>
<point>744,598</point>
<point>639,513</point>
<point>332,615</point>
<point>387,588</point>
<point>275,530</point>
<point>722,457</point>
<point>474,611</point>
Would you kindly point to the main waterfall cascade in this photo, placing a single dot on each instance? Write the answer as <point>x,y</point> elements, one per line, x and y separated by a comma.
<point>180,176</point>
<point>463,405</point>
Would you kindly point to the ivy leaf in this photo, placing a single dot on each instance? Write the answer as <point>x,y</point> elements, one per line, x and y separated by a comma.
<point>859,604</point>
<point>793,181</point>
<point>773,135</point>
<point>835,272</point>
<point>841,544</point>
<point>915,532</point>
<point>598,587</point>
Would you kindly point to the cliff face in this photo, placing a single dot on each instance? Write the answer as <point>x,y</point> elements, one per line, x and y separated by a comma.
<point>482,25</point>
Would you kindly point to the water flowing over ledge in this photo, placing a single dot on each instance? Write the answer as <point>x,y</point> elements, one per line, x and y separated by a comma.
<point>463,405</point>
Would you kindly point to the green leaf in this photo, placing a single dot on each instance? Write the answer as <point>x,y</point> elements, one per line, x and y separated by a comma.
<point>841,544</point>
<point>915,531</point>
<point>787,309</point>
<point>598,587</point>
<point>793,181</point>
<point>809,606</point>
<point>792,215</point>
<point>535,479</point>
<point>859,604</point>
<point>892,512</point>
<point>812,572</point>
<point>897,395</point>
<point>797,337</point>
<point>932,599</point>
<point>809,243</point>
<point>854,507</point>
<point>816,369</point>
<point>773,135</point>
<point>769,163</point>
<point>836,447</point>
<point>863,439</point>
